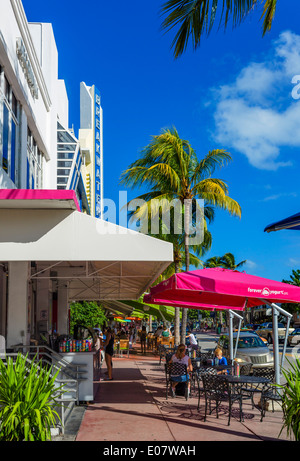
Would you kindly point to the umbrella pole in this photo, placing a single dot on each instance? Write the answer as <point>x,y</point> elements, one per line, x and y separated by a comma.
<point>231,315</point>
<point>276,309</point>
<point>231,335</point>
<point>276,346</point>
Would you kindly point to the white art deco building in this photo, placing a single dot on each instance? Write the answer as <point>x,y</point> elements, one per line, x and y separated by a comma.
<point>37,149</point>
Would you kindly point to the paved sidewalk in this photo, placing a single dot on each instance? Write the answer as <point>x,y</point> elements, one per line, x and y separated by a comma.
<point>133,407</point>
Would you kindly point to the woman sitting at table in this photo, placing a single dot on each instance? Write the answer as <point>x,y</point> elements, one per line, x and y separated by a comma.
<point>180,357</point>
<point>220,360</point>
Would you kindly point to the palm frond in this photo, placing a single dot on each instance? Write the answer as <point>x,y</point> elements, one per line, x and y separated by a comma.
<point>216,158</point>
<point>193,19</point>
<point>268,15</point>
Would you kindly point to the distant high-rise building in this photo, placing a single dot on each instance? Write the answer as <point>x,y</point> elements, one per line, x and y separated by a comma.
<point>91,144</point>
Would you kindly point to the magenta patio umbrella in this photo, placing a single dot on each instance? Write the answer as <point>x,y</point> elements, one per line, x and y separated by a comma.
<point>227,290</point>
<point>222,287</point>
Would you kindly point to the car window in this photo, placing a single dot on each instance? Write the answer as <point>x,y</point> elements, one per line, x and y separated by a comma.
<point>248,342</point>
<point>280,325</point>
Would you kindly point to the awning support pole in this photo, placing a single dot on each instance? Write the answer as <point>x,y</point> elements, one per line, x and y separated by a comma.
<point>276,311</point>
<point>231,315</point>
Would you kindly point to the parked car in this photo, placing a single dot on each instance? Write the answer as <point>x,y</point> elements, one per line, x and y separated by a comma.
<point>250,349</point>
<point>252,326</point>
<point>254,332</point>
<point>266,331</point>
<point>294,337</point>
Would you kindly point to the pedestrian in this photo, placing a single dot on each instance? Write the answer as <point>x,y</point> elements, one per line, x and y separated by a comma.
<point>143,338</point>
<point>109,352</point>
<point>193,340</point>
<point>165,332</point>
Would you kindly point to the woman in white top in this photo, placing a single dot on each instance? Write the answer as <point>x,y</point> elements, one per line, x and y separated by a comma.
<point>180,357</point>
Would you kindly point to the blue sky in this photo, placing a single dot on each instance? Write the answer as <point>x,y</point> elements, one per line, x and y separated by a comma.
<point>234,92</point>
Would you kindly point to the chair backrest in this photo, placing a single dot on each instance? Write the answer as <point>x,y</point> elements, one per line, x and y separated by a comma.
<point>215,385</point>
<point>266,372</point>
<point>206,371</point>
<point>124,344</point>
<point>245,369</point>
<point>165,341</point>
<point>177,369</point>
<point>206,356</point>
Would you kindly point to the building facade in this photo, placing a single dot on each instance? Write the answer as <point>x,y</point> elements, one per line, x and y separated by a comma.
<point>38,151</point>
<point>91,142</point>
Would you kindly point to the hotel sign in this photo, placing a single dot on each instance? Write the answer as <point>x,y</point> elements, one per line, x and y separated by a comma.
<point>27,68</point>
<point>98,204</point>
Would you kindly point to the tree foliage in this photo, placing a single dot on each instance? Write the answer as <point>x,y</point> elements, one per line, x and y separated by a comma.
<point>193,19</point>
<point>227,261</point>
<point>294,280</point>
<point>87,314</point>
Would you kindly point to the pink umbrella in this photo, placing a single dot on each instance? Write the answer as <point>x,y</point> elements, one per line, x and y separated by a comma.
<point>224,289</point>
<point>221,287</point>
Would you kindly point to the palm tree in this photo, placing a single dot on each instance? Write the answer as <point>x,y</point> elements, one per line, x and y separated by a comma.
<point>170,168</point>
<point>227,261</point>
<point>179,263</point>
<point>197,17</point>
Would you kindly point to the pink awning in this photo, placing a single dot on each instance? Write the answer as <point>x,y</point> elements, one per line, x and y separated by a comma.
<point>41,198</point>
<point>220,289</point>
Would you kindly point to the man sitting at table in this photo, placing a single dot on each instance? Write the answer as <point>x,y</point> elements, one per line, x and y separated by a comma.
<point>220,360</point>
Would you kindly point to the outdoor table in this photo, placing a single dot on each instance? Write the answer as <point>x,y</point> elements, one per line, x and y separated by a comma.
<point>247,379</point>
<point>240,383</point>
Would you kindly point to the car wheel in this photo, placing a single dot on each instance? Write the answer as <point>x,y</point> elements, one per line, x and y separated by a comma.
<point>270,339</point>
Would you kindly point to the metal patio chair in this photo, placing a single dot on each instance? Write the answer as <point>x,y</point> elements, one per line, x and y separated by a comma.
<point>265,372</point>
<point>218,390</point>
<point>176,369</point>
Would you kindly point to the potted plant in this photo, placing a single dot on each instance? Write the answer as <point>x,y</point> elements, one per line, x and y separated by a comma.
<point>291,400</point>
<point>28,396</point>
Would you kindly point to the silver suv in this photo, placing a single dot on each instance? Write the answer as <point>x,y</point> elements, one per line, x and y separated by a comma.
<point>250,349</point>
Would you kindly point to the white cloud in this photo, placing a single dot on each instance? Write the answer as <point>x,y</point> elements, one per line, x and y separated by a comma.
<point>256,114</point>
<point>277,196</point>
<point>251,264</point>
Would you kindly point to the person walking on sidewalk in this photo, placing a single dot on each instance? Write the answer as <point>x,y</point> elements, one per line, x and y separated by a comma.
<point>109,351</point>
<point>143,338</point>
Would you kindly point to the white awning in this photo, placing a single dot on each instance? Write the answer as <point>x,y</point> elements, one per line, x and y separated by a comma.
<point>94,258</point>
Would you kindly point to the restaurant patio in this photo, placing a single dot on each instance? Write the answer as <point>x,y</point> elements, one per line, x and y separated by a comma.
<point>133,407</point>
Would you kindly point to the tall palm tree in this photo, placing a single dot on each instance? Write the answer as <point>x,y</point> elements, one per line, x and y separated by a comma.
<point>196,18</point>
<point>227,261</point>
<point>175,267</point>
<point>169,167</point>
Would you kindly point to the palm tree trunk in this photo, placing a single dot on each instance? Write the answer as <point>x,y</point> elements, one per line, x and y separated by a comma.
<point>177,313</point>
<point>187,210</point>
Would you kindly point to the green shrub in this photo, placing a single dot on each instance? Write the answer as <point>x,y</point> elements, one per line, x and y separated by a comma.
<point>291,400</point>
<point>27,399</point>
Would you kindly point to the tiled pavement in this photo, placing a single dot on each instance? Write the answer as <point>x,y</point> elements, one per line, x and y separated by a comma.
<point>133,407</point>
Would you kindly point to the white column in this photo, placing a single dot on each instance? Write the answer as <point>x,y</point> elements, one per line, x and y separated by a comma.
<point>3,279</point>
<point>43,304</point>
<point>62,310</point>
<point>17,311</point>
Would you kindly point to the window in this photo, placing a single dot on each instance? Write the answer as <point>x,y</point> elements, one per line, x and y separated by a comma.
<point>9,129</point>
<point>34,163</point>
<point>69,159</point>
